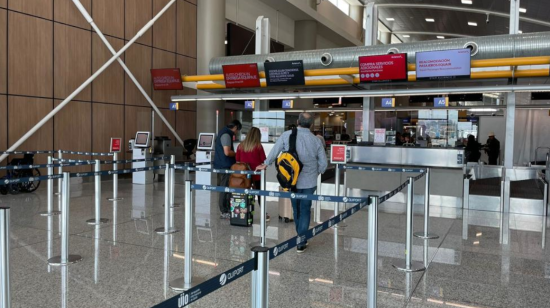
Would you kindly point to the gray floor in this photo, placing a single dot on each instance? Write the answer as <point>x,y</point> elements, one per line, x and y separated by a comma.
<point>126,264</point>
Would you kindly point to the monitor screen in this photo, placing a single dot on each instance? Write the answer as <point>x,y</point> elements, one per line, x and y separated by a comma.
<point>206,141</point>
<point>142,140</point>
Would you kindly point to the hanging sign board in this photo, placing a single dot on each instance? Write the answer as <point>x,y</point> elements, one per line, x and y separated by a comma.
<point>383,68</point>
<point>115,146</point>
<point>241,76</point>
<point>285,73</point>
<point>388,102</point>
<point>166,79</point>
<point>338,153</point>
<point>288,104</point>
<point>441,102</point>
<point>174,106</point>
<point>249,104</point>
<point>443,65</point>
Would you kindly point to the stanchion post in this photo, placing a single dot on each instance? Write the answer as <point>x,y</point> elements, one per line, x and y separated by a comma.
<point>97,220</point>
<point>5,256</point>
<point>59,171</point>
<point>337,192</point>
<point>372,279</point>
<point>263,211</point>
<point>262,276</point>
<point>65,258</point>
<point>408,265</point>
<point>173,184</point>
<point>115,179</point>
<point>187,282</point>
<point>186,172</point>
<point>426,233</point>
<point>50,193</point>
<point>317,208</point>
<point>167,209</point>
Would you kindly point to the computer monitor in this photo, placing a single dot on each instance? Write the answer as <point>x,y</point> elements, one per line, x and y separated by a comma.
<point>142,140</point>
<point>206,141</point>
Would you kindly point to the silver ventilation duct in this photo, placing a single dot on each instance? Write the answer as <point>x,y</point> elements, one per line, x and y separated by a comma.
<point>488,47</point>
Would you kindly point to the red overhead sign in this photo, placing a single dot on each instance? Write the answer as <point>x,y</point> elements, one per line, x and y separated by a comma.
<point>383,68</point>
<point>166,79</point>
<point>241,76</point>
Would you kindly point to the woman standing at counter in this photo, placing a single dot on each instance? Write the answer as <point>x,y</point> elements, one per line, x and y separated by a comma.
<point>252,153</point>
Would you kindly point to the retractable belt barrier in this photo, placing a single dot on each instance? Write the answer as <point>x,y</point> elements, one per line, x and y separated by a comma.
<point>76,162</point>
<point>406,170</point>
<point>52,152</point>
<point>227,171</point>
<point>392,193</point>
<point>86,153</point>
<point>23,167</point>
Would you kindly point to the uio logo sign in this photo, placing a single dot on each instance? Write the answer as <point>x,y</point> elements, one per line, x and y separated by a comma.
<point>275,251</point>
<point>223,279</point>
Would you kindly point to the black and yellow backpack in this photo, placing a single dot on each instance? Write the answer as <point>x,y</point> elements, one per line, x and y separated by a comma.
<point>289,165</point>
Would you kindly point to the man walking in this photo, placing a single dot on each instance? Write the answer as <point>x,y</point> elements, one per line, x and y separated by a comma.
<point>312,155</point>
<point>492,149</point>
<point>224,158</point>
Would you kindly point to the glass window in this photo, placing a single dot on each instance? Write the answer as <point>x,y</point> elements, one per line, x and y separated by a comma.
<point>335,2</point>
<point>343,5</point>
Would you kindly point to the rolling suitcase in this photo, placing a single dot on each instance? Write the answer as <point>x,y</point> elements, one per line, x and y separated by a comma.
<point>285,209</point>
<point>242,210</point>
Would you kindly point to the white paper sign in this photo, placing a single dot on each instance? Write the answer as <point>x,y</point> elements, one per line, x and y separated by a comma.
<point>265,134</point>
<point>380,136</point>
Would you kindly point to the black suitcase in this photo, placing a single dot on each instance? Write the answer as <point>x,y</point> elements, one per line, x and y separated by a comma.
<point>242,210</point>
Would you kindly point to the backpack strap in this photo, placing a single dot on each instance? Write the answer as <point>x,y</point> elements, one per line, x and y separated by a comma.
<point>292,142</point>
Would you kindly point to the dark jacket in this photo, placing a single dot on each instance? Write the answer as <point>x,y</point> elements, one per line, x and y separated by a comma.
<point>493,148</point>
<point>472,151</point>
<point>221,161</point>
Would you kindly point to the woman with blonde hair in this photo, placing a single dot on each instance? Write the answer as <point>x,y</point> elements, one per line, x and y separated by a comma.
<point>251,152</point>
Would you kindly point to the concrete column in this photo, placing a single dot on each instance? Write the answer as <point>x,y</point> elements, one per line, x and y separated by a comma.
<point>210,44</point>
<point>305,35</point>
<point>385,38</point>
<point>371,17</point>
<point>511,97</point>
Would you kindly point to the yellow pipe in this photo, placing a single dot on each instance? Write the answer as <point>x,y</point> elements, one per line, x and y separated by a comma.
<point>218,77</point>
<point>332,71</point>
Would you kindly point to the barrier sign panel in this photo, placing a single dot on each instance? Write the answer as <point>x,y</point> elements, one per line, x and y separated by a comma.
<point>264,131</point>
<point>441,65</point>
<point>388,102</point>
<point>338,154</point>
<point>441,102</point>
<point>288,104</point>
<point>249,104</point>
<point>116,145</point>
<point>383,68</point>
<point>380,136</point>
<point>174,106</point>
<point>241,76</point>
<point>285,73</point>
<point>166,79</point>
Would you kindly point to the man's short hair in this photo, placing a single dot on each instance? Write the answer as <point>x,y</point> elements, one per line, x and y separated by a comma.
<point>235,123</point>
<point>305,120</point>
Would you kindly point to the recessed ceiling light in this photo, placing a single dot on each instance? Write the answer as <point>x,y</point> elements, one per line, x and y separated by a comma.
<point>440,37</point>
<point>406,35</point>
<point>519,31</point>
<point>466,1</point>
<point>430,20</point>
<point>225,42</point>
<point>390,19</point>
<point>522,10</point>
<point>473,24</point>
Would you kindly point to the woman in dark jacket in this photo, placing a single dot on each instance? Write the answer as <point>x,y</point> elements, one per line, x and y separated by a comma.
<point>472,150</point>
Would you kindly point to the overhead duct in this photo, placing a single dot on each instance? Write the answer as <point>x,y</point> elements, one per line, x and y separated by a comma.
<point>488,47</point>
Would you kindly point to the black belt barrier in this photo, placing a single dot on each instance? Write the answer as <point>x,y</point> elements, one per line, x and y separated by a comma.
<point>226,171</point>
<point>26,152</point>
<point>23,167</point>
<point>407,170</point>
<point>398,189</point>
<point>86,153</point>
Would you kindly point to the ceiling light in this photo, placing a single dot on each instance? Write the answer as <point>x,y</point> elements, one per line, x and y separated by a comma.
<point>440,37</point>
<point>430,20</point>
<point>476,243</point>
<point>406,35</point>
<point>482,110</point>
<point>522,10</point>
<point>225,42</point>
<point>520,32</point>
<point>390,19</point>
<point>466,1</point>
<point>473,24</point>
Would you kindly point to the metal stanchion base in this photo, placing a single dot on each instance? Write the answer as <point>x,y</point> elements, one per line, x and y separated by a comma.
<point>174,205</point>
<point>180,285</point>
<point>415,266</point>
<point>52,213</point>
<point>429,236</point>
<point>268,243</point>
<point>56,261</point>
<point>115,199</point>
<point>101,221</point>
<point>170,231</point>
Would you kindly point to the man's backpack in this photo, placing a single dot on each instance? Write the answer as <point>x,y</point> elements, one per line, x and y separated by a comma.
<point>240,180</point>
<point>289,165</point>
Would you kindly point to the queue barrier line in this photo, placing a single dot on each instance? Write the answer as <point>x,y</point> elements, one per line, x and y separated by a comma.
<point>401,170</point>
<point>226,171</point>
<point>392,193</point>
<point>194,294</point>
<point>27,152</point>
<point>26,167</point>
<point>75,162</point>
<point>86,153</point>
<point>279,194</point>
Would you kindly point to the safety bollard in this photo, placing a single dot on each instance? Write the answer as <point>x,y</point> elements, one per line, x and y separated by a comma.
<point>97,179</point>
<point>59,171</point>
<point>372,262</point>
<point>408,265</point>
<point>167,210</point>
<point>262,257</point>
<point>426,233</point>
<point>65,258</point>
<point>5,256</point>
<point>173,184</point>
<point>188,281</point>
<point>50,211</point>
<point>115,179</point>
<point>337,192</point>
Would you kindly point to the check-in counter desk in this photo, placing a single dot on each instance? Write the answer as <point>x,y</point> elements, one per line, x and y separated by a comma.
<point>446,182</point>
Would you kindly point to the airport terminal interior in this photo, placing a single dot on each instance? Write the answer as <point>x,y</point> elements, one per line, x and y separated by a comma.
<point>133,134</point>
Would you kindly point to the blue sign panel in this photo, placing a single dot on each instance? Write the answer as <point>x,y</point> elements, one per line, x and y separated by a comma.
<point>440,102</point>
<point>388,102</point>
<point>249,105</point>
<point>174,106</point>
<point>288,104</point>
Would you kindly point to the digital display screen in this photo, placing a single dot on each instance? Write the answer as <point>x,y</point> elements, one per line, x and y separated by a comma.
<point>142,139</point>
<point>443,65</point>
<point>383,68</point>
<point>206,141</point>
<point>241,76</point>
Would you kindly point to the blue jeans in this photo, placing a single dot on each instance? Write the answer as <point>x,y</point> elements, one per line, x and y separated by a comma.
<point>302,211</point>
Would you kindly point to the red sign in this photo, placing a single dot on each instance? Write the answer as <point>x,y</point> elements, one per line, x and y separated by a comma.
<point>383,68</point>
<point>166,79</point>
<point>241,76</point>
<point>338,154</point>
<point>116,144</point>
